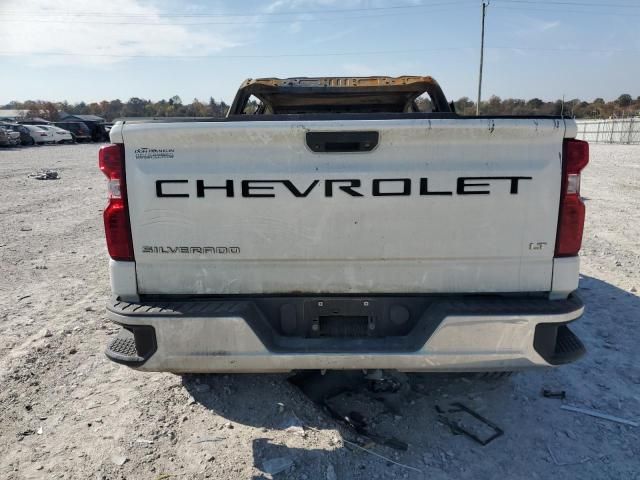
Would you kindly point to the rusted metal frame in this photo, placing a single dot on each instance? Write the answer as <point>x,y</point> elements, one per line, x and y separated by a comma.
<point>337,85</point>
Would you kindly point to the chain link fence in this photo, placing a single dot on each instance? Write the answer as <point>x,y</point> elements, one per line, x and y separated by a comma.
<point>612,130</point>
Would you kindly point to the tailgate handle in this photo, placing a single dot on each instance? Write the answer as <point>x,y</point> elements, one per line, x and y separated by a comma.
<point>340,142</point>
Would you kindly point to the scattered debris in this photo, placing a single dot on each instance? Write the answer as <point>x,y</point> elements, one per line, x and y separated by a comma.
<point>119,459</point>
<point>321,388</point>
<point>564,464</point>
<point>458,428</point>
<point>595,413</point>
<point>293,425</point>
<point>276,465</point>
<point>331,473</point>
<point>202,387</point>
<point>208,439</point>
<point>386,459</point>
<point>25,433</point>
<point>560,394</point>
<point>142,440</point>
<point>45,174</point>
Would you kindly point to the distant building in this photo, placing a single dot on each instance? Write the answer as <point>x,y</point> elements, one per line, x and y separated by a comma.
<point>34,121</point>
<point>13,115</point>
<point>70,117</point>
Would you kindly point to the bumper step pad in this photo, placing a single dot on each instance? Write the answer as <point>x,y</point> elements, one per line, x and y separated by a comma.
<point>568,346</point>
<point>557,344</point>
<point>133,346</point>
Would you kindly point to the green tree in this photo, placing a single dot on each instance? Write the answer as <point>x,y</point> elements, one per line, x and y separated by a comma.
<point>624,100</point>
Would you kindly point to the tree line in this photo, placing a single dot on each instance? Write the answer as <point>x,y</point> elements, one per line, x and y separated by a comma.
<point>112,109</point>
<point>624,106</point>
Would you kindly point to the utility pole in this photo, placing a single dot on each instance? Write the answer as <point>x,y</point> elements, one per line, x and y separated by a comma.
<point>484,12</point>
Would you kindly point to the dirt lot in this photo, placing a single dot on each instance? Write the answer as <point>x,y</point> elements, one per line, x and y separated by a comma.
<point>67,412</point>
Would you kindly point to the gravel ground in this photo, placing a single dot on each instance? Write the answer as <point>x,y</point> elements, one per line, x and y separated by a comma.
<point>69,413</point>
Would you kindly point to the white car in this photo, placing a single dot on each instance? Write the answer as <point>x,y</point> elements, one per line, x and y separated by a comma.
<point>40,135</point>
<point>60,135</point>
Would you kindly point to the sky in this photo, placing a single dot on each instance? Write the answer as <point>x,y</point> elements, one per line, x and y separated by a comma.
<point>89,51</point>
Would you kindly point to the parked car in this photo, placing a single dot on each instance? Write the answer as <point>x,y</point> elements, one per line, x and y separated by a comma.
<point>4,138</point>
<point>39,135</point>
<point>60,135</point>
<point>79,130</point>
<point>25,137</point>
<point>10,138</point>
<point>99,132</point>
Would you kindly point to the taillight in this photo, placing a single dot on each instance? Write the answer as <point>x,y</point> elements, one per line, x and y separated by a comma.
<point>117,227</point>
<point>575,157</point>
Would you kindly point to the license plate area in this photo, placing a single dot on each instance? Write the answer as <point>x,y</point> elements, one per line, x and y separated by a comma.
<point>341,318</point>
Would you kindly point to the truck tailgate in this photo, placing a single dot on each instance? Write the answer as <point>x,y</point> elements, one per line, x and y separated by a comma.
<point>440,205</point>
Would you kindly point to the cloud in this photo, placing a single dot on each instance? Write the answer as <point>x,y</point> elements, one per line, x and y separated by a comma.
<point>359,70</point>
<point>106,35</point>
<point>295,27</point>
<point>544,26</point>
<point>283,5</point>
<point>531,27</point>
<point>333,36</point>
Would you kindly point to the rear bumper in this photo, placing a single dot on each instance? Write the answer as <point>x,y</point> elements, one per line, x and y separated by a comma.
<point>251,334</point>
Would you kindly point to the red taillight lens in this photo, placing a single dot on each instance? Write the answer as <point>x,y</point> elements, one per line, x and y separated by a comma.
<point>117,227</point>
<point>572,211</point>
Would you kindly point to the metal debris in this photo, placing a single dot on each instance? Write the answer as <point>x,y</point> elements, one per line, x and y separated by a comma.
<point>597,414</point>
<point>45,174</point>
<point>208,439</point>
<point>321,388</point>
<point>560,394</point>
<point>386,459</point>
<point>457,427</point>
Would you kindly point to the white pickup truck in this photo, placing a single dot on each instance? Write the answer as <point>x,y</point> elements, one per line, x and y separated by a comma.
<point>328,223</point>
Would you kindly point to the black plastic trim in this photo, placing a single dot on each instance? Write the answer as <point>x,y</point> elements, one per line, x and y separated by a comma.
<point>338,142</point>
<point>141,340</point>
<point>557,344</point>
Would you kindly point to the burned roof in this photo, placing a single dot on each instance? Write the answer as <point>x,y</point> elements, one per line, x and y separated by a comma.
<point>303,94</point>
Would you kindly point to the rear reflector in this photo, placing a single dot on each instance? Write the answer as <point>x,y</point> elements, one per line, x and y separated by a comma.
<point>572,211</point>
<point>117,227</point>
